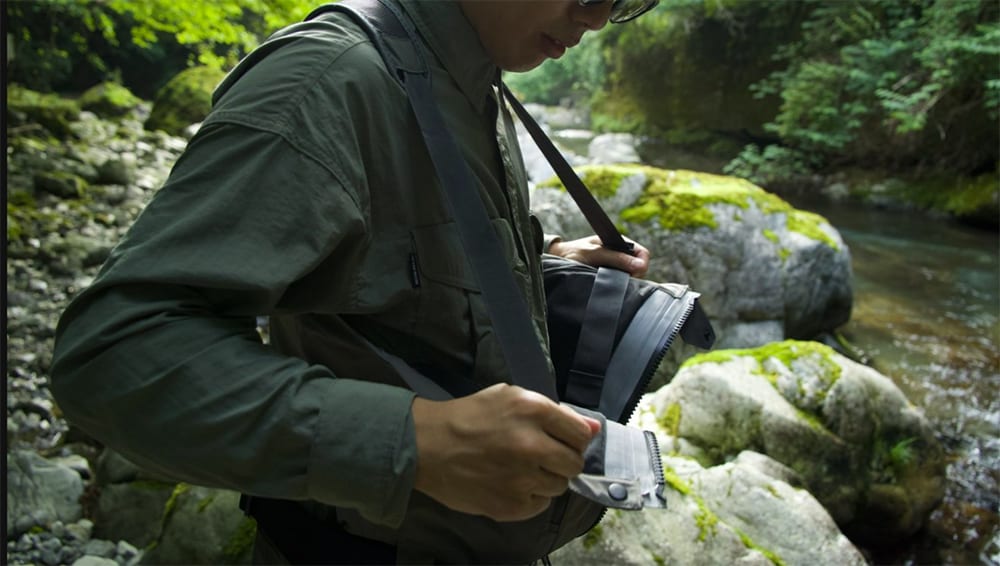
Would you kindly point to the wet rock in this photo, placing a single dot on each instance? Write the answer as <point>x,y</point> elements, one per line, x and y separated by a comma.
<point>186,99</point>
<point>859,446</point>
<point>613,148</point>
<point>109,100</point>
<point>116,172</point>
<point>40,492</point>
<point>61,184</point>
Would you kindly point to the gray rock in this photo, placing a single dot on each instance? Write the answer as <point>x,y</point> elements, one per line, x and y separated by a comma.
<point>613,148</point>
<point>41,489</point>
<point>100,548</point>
<point>131,512</point>
<point>765,270</point>
<point>116,172</point>
<point>867,454</point>
<point>204,526</point>
<point>728,514</point>
<point>60,184</point>
<point>89,560</point>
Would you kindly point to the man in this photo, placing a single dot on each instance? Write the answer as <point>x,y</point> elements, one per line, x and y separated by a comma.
<point>307,195</point>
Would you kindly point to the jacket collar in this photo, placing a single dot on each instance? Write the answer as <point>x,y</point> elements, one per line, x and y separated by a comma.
<point>456,45</point>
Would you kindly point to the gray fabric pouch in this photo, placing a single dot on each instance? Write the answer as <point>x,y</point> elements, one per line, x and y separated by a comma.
<point>622,467</point>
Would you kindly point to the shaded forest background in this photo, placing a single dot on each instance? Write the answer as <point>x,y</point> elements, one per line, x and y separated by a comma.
<point>780,91</point>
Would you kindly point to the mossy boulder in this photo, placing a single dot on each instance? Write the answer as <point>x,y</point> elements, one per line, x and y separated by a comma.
<point>185,100</point>
<point>860,447</point>
<point>741,512</point>
<point>109,100</point>
<point>25,106</point>
<point>202,526</point>
<point>765,270</point>
<point>61,184</point>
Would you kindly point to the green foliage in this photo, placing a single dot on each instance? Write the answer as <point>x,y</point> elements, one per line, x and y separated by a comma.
<point>72,44</point>
<point>888,83</point>
<point>770,165</point>
<point>576,75</point>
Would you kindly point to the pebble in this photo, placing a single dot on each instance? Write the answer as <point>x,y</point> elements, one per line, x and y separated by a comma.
<point>37,293</point>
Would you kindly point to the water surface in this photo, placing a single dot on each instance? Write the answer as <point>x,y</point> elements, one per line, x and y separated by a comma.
<point>927,312</point>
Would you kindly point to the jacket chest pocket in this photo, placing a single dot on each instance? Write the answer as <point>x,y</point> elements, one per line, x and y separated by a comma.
<point>452,317</point>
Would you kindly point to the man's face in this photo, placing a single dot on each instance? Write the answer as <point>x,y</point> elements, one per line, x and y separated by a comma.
<point>520,34</point>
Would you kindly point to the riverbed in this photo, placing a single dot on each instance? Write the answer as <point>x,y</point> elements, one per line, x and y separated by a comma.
<point>927,313</point>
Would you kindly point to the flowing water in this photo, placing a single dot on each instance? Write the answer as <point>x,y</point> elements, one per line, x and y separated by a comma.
<point>927,312</point>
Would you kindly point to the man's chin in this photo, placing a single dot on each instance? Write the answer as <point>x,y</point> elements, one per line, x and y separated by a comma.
<point>522,66</point>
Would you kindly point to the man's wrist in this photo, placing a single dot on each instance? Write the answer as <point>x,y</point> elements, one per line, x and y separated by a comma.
<point>548,240</point>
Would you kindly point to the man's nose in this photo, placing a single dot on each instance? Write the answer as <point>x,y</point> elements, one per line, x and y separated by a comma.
<point>594,16</point>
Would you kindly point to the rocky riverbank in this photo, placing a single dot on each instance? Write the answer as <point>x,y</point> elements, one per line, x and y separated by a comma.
<point>75,187</point>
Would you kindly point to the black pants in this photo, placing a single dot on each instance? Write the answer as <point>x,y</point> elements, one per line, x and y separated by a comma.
<point>286,534</point>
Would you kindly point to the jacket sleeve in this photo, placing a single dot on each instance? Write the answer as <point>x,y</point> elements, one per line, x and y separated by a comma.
<point>160,358</point>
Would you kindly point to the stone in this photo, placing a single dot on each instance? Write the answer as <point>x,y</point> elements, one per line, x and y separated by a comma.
<point>109,100</point>
<point>132,511</point>
<point>42,490</point>
<point>727,514</point>
<point>613,149</point>
<point>765,270</point>
<point>60,184</point>
<point>89,560</point>
<point>859,446</point>
<point>186,99</point>
<point>203,526</point>
<point>100,548</point>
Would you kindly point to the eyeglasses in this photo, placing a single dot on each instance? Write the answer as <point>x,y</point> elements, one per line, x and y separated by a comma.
<point>624,10</point>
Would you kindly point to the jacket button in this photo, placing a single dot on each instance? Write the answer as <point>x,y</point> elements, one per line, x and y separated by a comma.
<point>617,491</point>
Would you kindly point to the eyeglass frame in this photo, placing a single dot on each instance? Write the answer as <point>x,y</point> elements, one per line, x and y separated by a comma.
<point>650,4</point>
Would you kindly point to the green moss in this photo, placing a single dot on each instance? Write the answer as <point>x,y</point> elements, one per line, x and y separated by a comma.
<point>706,520</point>
<point>770,235</point>
<point>783,253</point>
<point>51,111</point>
<point>603,181</point>
<point>109,99</point>
<point>808,224</point>
<point>671,419</point>
<point>960,196</point>
<point>774,491</point>
<point>204,503</point>
<point>593,536</point>
<point>657,559</point>
<point>185,100</point>
<point>675,481</point>
<point>749,543</point>
<point>786,352</point>
<point>36,530</point>
<point>240,545</point>
<point>171,505</point>
<point>713,357</point>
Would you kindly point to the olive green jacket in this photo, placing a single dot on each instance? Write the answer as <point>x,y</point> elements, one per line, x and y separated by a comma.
<point>308,196</point>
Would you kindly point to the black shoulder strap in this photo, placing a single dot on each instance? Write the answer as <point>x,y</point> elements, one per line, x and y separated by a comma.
<point>504,302</point>
<point>591,209</point>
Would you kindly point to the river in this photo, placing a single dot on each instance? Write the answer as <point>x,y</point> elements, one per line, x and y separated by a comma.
<point>927,312</point>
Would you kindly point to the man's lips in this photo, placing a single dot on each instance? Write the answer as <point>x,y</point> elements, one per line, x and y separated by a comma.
<point>554,48</point>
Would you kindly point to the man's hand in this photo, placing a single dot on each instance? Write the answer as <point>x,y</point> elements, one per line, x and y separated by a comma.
<point>503,452</point>
<point>590,251</point>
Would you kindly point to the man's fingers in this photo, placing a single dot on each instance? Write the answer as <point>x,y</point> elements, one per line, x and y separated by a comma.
<point>562,461</point>
<point>549,484</point>
<point>569,427</point>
